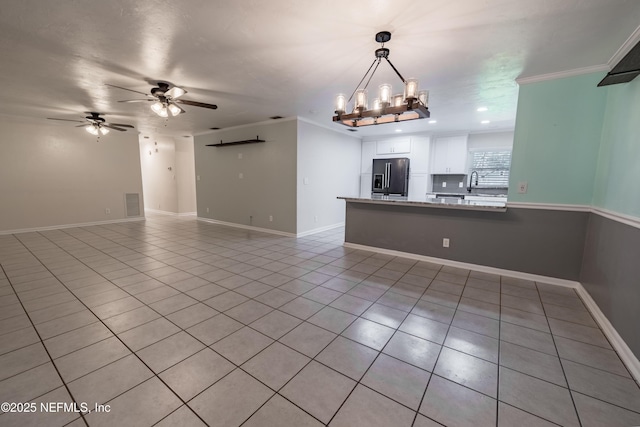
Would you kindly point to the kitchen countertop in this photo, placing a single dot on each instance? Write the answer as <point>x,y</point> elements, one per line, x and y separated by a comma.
<point>445,202</point>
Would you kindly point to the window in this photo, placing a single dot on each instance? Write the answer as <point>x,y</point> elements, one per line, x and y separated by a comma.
<point>492,167</point>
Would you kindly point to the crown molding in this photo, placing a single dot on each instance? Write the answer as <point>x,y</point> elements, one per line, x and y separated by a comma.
<point>562,74</point>
<point>633,39</point>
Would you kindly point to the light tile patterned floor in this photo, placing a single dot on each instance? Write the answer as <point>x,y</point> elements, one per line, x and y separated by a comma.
<point>172,321</point>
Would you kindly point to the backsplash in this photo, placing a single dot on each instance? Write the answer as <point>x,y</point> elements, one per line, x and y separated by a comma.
<point>451,184</point>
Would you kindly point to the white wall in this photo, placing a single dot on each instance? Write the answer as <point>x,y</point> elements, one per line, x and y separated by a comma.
<point>328,167</point>
<point>268,183</point>
<point>186,175</point>
<point>160,184</point>
<point>53,175</point>
<point>419,158</point>
<point>484,141</point>
<point>167,190</point>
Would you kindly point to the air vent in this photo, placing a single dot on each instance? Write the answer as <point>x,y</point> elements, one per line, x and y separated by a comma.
<point>276,117</point>
<point>214,128</point>
<point>132,204</point>
<point>352,130</point>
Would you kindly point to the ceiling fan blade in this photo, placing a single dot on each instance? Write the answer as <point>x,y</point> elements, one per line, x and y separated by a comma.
<point>65,120</point>
<point>113,127</point>
<point>196,104</point>
<point>130,90</point>
<point>137,100</point>
<point>119,125</point>
<point>175,92</point>
<point>84,126</point>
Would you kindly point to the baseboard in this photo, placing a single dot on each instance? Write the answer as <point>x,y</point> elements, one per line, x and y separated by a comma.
<point>62,226</point>
<point>628,358</point>
<point>160,212</point>
<point>320,229</point>
<point>477,267</point>
<point>246,227</point>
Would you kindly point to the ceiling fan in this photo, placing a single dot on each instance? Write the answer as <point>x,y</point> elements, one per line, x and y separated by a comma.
<point>97,125</point>
<point>166,99</point>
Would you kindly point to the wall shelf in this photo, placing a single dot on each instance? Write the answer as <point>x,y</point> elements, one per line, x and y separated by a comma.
<point>244,141</point>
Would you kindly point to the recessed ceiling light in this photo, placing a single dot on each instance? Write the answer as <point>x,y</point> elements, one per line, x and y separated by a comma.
<point>433,121</point>
<point>481,109</point>
<point>398,130</point>
<point>485,122</point>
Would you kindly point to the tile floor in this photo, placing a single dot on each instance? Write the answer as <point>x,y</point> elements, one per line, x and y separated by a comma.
<point>175,322</point>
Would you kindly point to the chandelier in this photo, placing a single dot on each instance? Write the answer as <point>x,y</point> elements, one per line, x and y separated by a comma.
<point>411,104</point>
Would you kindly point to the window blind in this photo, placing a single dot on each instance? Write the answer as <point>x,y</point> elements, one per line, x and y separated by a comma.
<point>492,167</point>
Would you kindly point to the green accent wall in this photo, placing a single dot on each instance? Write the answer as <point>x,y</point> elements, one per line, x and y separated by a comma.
<point>557,140</point>
<point>617,184</point>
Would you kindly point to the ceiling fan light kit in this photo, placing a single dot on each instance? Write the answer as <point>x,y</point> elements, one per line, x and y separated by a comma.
<point>165,100</point>
<point>411,104</point>
<point>97,125</point>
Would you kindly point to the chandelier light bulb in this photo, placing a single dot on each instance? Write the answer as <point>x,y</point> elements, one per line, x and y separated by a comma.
<point>103,130</point>
<point>93,129</point>
<point>423,96</point>
<point>360,101</point>
<point>411,89</point>
<point>385,94</point>
<point>341,103</point>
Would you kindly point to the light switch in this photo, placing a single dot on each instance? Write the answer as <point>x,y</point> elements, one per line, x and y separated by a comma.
<point>240,175</point>
<point>444,184</point>
<point>305,181</point>
<point>197,177</point>
<point>461,184</point>
<point>239,155</point>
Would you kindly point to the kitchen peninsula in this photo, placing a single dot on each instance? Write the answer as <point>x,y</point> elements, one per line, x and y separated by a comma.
<point>483,233</point>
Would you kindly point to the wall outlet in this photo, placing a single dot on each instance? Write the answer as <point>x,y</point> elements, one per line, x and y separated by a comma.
<point>239,155</point>
<point>207,210</point>
<point>522,187</point>
<point>444,184</point>
<point>107,211</point>
<point>460,184</point>
<point>445,242</point>
<point>240,175</point>
<point>270,218</point>
<point>197,177</point>
<point>305,181</point>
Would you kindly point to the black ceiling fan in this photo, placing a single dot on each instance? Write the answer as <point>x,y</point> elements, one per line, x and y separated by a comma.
<point>97,125</point>
<point>165,99</point>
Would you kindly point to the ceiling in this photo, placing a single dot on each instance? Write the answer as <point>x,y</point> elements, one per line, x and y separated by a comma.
<point>257,59</point>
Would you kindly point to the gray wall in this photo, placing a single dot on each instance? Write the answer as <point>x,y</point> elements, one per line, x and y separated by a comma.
<point>611,274</point>
<point>328,167</point>
<point>268,186</point>
<point>544,242</point>
<point>57,174</point>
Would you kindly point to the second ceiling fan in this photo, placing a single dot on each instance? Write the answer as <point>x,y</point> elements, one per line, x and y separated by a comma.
<point>165,99</point>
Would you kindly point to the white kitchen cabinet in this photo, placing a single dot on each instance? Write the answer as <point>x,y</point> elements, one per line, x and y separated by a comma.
<point>365,185</point>
<point>418,185</point>
<point>393,146</point>
<point>450,155</point>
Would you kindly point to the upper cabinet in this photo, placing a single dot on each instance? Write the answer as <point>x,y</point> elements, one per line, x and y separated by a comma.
<point>393,146</point>
<point>450,155</point>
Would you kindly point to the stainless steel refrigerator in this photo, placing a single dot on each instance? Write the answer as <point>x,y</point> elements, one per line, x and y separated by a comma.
<point>390,176</point>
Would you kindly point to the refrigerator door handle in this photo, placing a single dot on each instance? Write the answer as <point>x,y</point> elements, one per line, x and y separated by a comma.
<point>388,173</point>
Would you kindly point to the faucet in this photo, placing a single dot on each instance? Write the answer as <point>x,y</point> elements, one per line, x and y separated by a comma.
<point>471,181</point>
